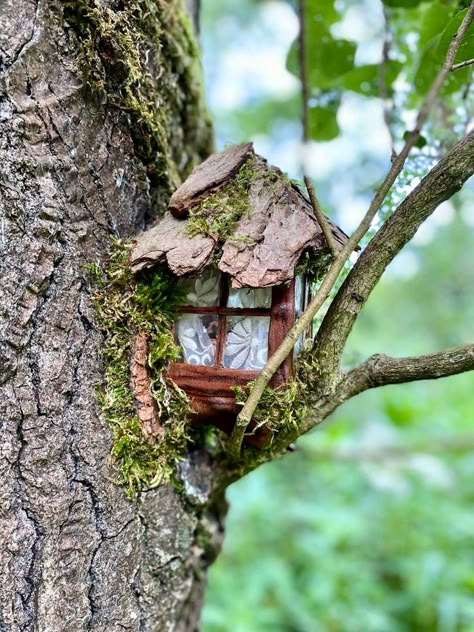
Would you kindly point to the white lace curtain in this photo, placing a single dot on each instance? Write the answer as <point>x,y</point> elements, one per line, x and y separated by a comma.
<point>246,343</point>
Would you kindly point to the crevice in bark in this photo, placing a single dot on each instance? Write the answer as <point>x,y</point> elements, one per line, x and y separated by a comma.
<point>69,179</point>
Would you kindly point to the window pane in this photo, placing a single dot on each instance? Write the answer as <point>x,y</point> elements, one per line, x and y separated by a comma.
<point>301,301</point>
<point>246,345</point>
<point>197,337</point>
<point>250,297</point>
<point>201,291</point>
<point>299,295</point>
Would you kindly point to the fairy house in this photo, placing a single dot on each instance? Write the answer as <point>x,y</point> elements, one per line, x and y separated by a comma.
<point>245,245</point>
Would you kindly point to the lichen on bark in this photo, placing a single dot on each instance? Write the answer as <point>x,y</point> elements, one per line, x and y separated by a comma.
<point>72,178</point>
<point>158,88</point>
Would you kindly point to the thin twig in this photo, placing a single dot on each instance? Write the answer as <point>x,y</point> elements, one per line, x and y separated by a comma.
<point>382,82</point>
<point>462,64</point>
<point>337,265</point>
<point>322,219</point>
<point>440,183</point>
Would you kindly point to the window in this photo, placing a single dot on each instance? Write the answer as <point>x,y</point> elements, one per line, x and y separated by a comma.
<point>223,326</point>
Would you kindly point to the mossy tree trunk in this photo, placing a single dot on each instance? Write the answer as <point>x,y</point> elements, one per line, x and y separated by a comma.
<point>100,116</point>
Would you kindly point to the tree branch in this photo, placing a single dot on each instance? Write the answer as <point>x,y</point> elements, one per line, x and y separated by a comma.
<point>445,179</point>
<point>322,220</point>
<point>381,370</point>
<point>382,83</point>
<point>305,320</point>
<point>462,64</point>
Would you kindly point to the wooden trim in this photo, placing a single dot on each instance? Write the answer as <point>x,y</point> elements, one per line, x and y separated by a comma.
<point>281,321</point>
<point>223,289</point>
<point>226,311</point>
<point>209,381</point>
<point>210,386</point>
<point>222,324</point>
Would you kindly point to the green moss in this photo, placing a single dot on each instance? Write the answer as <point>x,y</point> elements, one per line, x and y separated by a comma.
<point>218,214</point>
<point>314,264</point>
<point>126,305</point>
<point>141,58</point>
<point>281,410</point>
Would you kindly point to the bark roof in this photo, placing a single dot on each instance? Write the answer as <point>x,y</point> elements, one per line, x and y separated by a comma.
<point>269,238</point>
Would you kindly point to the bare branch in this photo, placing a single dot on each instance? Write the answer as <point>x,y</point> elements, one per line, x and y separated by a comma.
<point>322,220</point>
<point>462,64</point>
<point>304,321</point>
<point>445,179</point>
<point>380,370</point>
<point>382,82</point>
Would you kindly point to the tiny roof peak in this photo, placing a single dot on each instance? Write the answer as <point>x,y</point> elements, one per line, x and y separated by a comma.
<point>209,176</point>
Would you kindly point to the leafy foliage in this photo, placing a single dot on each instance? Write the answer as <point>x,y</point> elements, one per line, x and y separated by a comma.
<point>333,67</point>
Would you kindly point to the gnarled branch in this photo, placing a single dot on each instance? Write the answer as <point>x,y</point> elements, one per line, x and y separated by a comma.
<point>380,369</point>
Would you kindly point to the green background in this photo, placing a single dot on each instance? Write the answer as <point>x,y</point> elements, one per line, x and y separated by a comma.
<point>369,525</point>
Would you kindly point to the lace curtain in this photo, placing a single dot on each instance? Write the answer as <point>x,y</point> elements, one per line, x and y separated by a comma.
<point>246,343</point>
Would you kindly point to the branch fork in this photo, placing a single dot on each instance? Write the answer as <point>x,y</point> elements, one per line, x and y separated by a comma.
<point>377,256</point>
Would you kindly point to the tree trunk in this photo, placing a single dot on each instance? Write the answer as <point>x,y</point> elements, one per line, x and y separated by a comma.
<point>81,163</point>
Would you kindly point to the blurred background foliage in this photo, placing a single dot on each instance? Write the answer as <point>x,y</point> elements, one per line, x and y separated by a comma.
<point>369,525</point>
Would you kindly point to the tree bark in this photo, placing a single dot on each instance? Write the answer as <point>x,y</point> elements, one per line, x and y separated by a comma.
<point>76,553</point>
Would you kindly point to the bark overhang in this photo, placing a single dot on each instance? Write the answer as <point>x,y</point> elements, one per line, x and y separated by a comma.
<point>269,238</point>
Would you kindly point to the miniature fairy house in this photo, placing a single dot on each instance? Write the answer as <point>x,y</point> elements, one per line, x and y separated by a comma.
<point>245,246</point>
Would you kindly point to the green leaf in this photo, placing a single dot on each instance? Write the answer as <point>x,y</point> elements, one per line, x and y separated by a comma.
<point>323,124</point>
<point>466,47</point>
<point>420,143</point>
<point>434,19</point>
<point>406,4</point>
<point>322,11</point>
<point>365,79</point>
<point>328,58</point>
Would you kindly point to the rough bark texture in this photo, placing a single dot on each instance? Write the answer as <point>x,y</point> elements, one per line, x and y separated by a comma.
<point>269,238</point>
<point>76,554</point>
<point>209,176</point>
<point>168,241</point>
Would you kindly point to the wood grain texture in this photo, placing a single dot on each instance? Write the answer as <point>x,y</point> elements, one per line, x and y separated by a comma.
<point>209,176</point>
<point>167,242</point>
<point>141,387</point>
<point>268,241</point>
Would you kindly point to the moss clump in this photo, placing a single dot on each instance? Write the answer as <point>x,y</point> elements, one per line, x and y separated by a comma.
<point>141,57</point>
<point>218,214</point>
<point>284,408</point>
<point>125,306</point>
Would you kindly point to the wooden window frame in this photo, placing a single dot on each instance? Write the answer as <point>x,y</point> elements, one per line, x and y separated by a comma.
<point>209,386</point>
